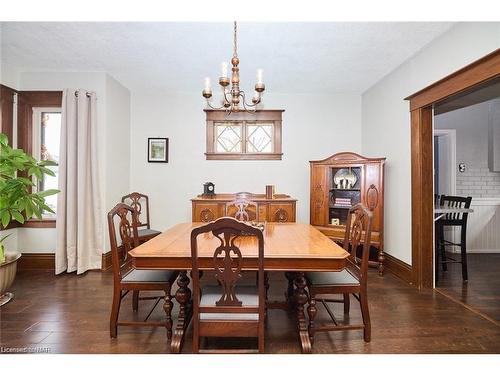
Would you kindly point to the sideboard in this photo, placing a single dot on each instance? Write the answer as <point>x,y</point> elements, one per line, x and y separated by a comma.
<point>281,208</point>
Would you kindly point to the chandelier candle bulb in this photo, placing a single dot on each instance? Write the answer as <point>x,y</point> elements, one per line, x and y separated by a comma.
<point>224,69</point>
<point>232,95</point>
<point>260,73</point>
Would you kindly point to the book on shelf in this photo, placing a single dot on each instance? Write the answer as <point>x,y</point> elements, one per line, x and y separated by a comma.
<point>343,202</point>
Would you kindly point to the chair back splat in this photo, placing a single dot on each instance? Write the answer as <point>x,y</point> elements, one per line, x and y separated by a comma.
<point>126,218</point>
<point>242,209</point>
<point>228,310</point>
<point>358,232</point>
<point>140,203</point>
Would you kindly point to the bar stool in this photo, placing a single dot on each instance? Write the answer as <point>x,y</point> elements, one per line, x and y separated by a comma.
<point>452,220</point>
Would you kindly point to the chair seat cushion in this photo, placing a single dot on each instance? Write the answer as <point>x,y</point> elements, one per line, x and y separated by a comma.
<point>331,278</point>
<point>248,295</point>
<point>149,276</point>
<point>147,232</point>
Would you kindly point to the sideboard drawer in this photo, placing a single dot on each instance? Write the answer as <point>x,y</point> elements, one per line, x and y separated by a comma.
<point>206,212</point>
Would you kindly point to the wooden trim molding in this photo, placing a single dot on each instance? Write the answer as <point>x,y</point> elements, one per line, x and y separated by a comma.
<point>37,261</point>
<point>421,104</point>
<point>44,223</point>
<point>7,111</point>
<point>106,261</point>
<point>26,101</point>
<point>484,69</point>
<point>398,268</point>
<point>243,120</point>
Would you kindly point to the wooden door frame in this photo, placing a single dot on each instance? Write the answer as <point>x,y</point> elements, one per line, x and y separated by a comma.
<point>422,193</point>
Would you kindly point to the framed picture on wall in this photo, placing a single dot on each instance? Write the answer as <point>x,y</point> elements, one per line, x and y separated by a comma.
<point>158,150</point>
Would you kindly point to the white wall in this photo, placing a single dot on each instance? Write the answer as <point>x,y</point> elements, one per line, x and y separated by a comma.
<point>386,125</point>
<point>314,127</point>
<point>117,145</point>
<point>471,125</point>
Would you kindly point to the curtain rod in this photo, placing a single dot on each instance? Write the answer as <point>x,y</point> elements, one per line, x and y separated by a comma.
<point>87,93</point>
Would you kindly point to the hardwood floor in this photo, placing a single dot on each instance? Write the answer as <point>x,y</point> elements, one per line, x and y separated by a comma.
<point>70,314</point>
<point>482,291</point>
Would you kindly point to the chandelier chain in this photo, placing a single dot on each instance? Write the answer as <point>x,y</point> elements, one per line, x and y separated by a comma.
<point>232,95</point>
<point>235,52</point>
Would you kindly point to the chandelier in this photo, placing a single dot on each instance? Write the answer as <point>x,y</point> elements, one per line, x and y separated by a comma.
<point>233,97</point>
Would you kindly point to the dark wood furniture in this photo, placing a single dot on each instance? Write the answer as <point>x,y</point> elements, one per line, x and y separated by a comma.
<point>242,126</point>
<point>280,209</point>
<point>368,190</point>
<point>452,220</point>
<point>139,202</point>
<point>421,111</point>
<point>228,309</point>
<point>352,280</point>
<point>127,278</point>
<point>288,247</point>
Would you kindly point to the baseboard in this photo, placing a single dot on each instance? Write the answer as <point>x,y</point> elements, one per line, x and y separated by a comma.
<point>106,261</point>
<point>37,261</point>
<point>398,268</point>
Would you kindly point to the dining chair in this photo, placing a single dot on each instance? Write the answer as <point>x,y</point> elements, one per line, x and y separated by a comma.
<point>452,220</point>
<point>351,280</point>
<point>140,203</point>
<point>242,208</point>
<point>123,218</point>
<point>227,309</point>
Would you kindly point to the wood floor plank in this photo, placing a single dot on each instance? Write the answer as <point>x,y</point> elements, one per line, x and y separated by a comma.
<point>70,314</point>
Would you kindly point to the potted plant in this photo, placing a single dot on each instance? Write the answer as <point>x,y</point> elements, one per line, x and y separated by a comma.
<point>19,173</point>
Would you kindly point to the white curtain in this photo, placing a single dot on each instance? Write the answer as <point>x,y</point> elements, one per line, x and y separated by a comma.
<point>79,216</point>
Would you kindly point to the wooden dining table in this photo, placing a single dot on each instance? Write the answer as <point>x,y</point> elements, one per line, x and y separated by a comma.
<point>290,247</point>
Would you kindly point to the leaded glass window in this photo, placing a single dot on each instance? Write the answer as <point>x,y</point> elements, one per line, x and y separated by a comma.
<point>228,137</point>
<point>259,138</point>
<point>244,136</point>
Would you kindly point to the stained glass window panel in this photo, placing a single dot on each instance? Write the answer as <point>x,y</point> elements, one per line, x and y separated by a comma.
<point>260,138</point>
<point>228,137</point>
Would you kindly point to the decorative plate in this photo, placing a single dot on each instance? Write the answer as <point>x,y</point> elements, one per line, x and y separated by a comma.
<point>345,174</point>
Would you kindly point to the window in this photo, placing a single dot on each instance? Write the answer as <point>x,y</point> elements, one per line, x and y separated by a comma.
<point>244,136</point>
<point>46,140</point>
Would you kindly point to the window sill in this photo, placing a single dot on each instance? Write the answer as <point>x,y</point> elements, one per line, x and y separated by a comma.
<point>44,223</point>
<point>240,156</point>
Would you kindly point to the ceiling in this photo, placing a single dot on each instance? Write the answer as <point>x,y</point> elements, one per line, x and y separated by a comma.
<point>174,56</point>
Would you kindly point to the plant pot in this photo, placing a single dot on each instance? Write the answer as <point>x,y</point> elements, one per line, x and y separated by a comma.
<point>7,275</point>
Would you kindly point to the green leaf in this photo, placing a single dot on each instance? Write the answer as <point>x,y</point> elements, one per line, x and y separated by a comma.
<point>3,139</point>
<point>16,215</point>
<point>5,217</point>
<point>48,192</point>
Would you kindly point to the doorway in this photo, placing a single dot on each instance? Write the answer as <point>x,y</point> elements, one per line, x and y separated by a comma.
<point>422,192</point>
<point>467,144</point>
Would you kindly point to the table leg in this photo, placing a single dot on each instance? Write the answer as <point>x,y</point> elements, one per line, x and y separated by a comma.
<point>289,293</point>
<point>183,296</point>
<point>301,300</point>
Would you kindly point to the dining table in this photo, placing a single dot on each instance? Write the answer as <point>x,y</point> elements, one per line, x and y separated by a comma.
<point>291,247</point>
